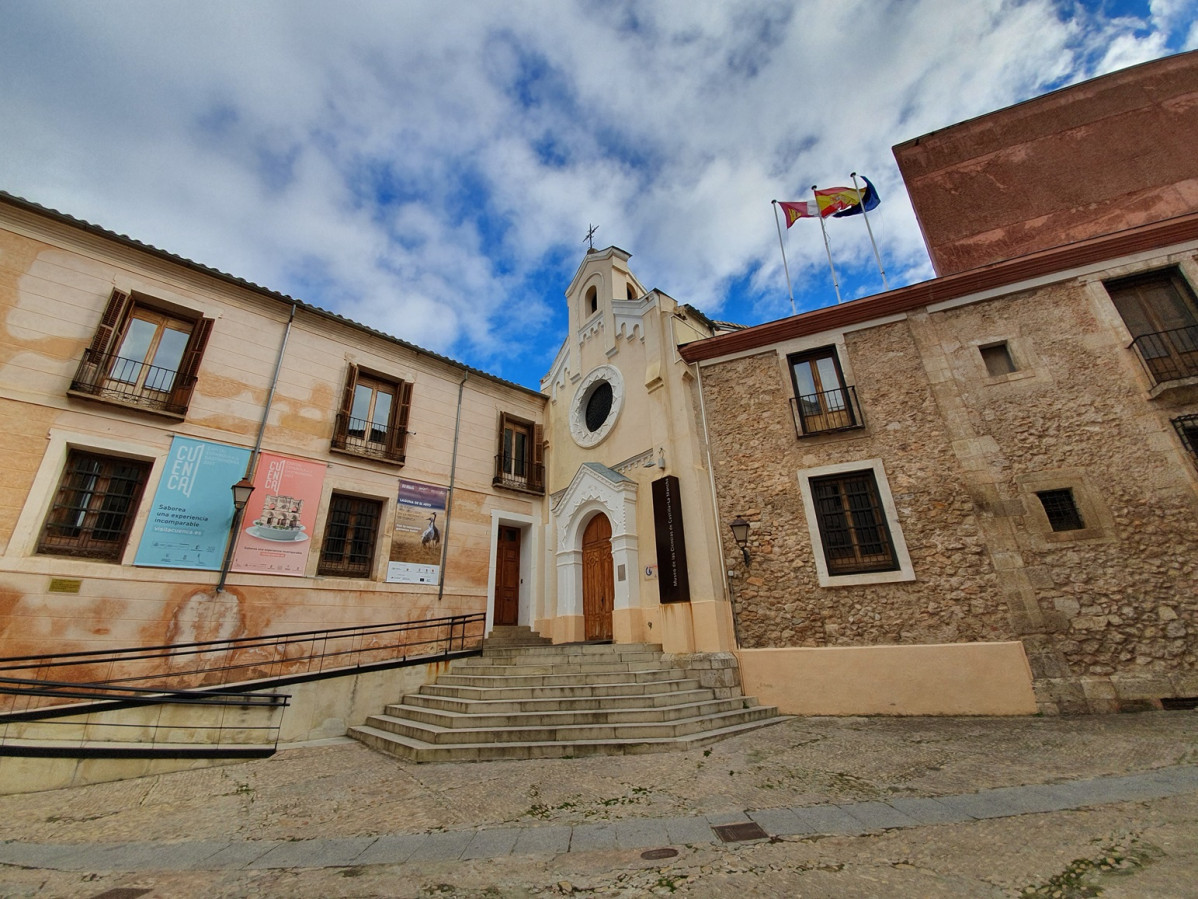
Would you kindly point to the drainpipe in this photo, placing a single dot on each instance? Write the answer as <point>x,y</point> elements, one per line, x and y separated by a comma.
<point>453,471</point>
<point>252,464</point>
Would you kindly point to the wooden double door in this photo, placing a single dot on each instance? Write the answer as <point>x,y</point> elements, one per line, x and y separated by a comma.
<point>598,579</point>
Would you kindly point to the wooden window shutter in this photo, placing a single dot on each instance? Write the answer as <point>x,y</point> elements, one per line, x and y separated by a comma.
<point>189,365</point>
<point>114,315</point>
<point>536,477</point>
<point>397,448</point>
<point>341,426</point>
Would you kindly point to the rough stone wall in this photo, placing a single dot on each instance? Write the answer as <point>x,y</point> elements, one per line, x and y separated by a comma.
<point>1107,614</point>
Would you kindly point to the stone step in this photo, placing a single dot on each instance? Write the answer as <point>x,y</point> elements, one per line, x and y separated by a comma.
<point>568,650</point>
<point>563,704</point>
<point>570,733</point>
<point>563,690</point>
<point>515,636</point>
<point>550,662</point>
<point>417,751</point>
<point>514,678</point>
<point>477,718</point>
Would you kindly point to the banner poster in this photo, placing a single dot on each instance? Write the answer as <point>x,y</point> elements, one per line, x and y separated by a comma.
<point>280,517</point>
<point>673,578</point>
<point>189,521</point>
<point>416,544</point>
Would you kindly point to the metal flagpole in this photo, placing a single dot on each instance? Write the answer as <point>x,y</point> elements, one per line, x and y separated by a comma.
<point>865,215</point>
<point>827,247</point>
<point>785,267</point>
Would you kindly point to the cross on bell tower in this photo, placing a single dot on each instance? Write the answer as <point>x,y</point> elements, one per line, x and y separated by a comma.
<point>590,238</point>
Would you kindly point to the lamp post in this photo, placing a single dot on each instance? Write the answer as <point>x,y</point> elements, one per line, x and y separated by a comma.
<point>241,497</point>
<point>740,533</point>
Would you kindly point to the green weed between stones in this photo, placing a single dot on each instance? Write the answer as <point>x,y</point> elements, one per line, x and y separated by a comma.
<point>1077,881</point>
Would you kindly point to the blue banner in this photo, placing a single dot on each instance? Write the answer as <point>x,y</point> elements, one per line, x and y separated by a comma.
<point>192,512</point>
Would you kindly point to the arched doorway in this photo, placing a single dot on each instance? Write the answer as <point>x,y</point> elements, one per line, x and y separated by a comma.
<point>598,582</point>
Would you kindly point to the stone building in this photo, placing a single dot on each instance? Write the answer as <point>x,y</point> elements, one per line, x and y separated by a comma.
<point>1004,453</point>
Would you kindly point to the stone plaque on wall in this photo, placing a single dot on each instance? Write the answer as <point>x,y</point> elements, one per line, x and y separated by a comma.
<point>672,582</point>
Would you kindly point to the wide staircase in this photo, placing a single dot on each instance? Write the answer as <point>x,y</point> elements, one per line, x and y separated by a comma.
<point>526,698</point>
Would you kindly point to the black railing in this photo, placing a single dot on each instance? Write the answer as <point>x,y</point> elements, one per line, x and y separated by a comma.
<point>518,474</point>
<point>824,413</point>
<point>129,382</point>
<point>366,438</point>
<point>1169,355</point>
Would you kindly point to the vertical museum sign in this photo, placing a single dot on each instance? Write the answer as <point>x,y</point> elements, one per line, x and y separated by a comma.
<point>672,582</point>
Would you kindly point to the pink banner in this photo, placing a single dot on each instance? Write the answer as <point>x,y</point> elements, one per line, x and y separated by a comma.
<point>280,517</point>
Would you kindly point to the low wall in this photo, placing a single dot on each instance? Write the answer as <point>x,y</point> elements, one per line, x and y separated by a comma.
<point>318,709</point>
<point>943,679</point>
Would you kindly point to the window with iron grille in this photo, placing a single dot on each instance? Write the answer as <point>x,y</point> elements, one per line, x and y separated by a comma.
<point>1062,511</point>
<point>94,507</point>
<point>350,534</point>
<point>852,523</point>
<point>1187,430</point>
<point>142,355</point>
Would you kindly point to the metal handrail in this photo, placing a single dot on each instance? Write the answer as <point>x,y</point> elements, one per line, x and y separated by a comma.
<point>131,381</point>
<point>214,661</point>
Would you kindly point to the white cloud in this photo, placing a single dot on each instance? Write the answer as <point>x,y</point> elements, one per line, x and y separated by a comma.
<point>431,170</point>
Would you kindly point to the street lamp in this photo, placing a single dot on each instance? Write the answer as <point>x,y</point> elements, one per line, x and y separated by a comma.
<point>241,497</point>
<point>740,533</point>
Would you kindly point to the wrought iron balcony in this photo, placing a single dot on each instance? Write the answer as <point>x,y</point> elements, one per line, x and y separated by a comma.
<point>107,376</point>
<point>365,438</point>
<point>826,412</point>
<point>518,474</point>
<point>1169,355</point>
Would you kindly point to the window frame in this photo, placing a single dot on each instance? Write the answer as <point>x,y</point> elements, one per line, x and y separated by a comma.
<point>84,544</point>
<point>902,570</point>
<point>393,449</point>
<point>94,379</point>
<point>345,533</point>
<point>828,420</point>
<point>1164,339</point>
<point>534,456</point>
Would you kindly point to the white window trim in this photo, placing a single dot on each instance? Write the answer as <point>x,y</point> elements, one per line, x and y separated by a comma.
<point>905,571</point>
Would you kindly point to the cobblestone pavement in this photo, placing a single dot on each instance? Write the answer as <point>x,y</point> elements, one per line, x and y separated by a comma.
<point>846,807</point>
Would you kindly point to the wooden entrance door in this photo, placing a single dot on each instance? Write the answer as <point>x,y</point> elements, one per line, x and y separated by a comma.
<point>598,580</point>
<point>507,577</point>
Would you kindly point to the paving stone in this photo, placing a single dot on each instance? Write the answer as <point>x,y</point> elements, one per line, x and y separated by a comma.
<point>980,805</point>
<point>238,854</point>
<point>641,833</point>
<point>592,838</point>
<point>878,815</point>
<point>828,819</point>
<point>442,846</point>
<point>492,843</point>
<point>688,831</point>
<point>1032,799</point>
<point>314,853</point>
<point>779,821</point>
<point>928,811</point>
<point>542,840</point>
<point>392,850</point>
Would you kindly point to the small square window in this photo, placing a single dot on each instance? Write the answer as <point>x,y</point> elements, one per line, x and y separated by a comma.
<point>1062,511</point>
<point>350,534</point>
<point>998,359</point>
<point>1187,430</point>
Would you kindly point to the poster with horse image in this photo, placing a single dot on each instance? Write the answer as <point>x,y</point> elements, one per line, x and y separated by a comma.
<point>416,545</point>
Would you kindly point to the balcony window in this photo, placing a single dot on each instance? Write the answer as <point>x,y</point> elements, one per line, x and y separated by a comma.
<point>1161,313</point>
<point>519,463</point>
<point>94,507</point>
<point>142,356</point>
<point>822,402</point>
<point>373,420</point>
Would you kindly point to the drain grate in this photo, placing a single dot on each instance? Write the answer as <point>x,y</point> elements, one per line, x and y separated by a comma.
<point>654,854</point>
<point>121,893</point>
<point>740,833</point>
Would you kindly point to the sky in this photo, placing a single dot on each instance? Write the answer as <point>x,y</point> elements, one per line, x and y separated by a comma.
<point>431,169</point>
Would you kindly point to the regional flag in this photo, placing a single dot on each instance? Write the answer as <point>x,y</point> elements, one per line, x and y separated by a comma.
<point>795,211</point>
<point>832,200</point>
<point>869,199</point>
